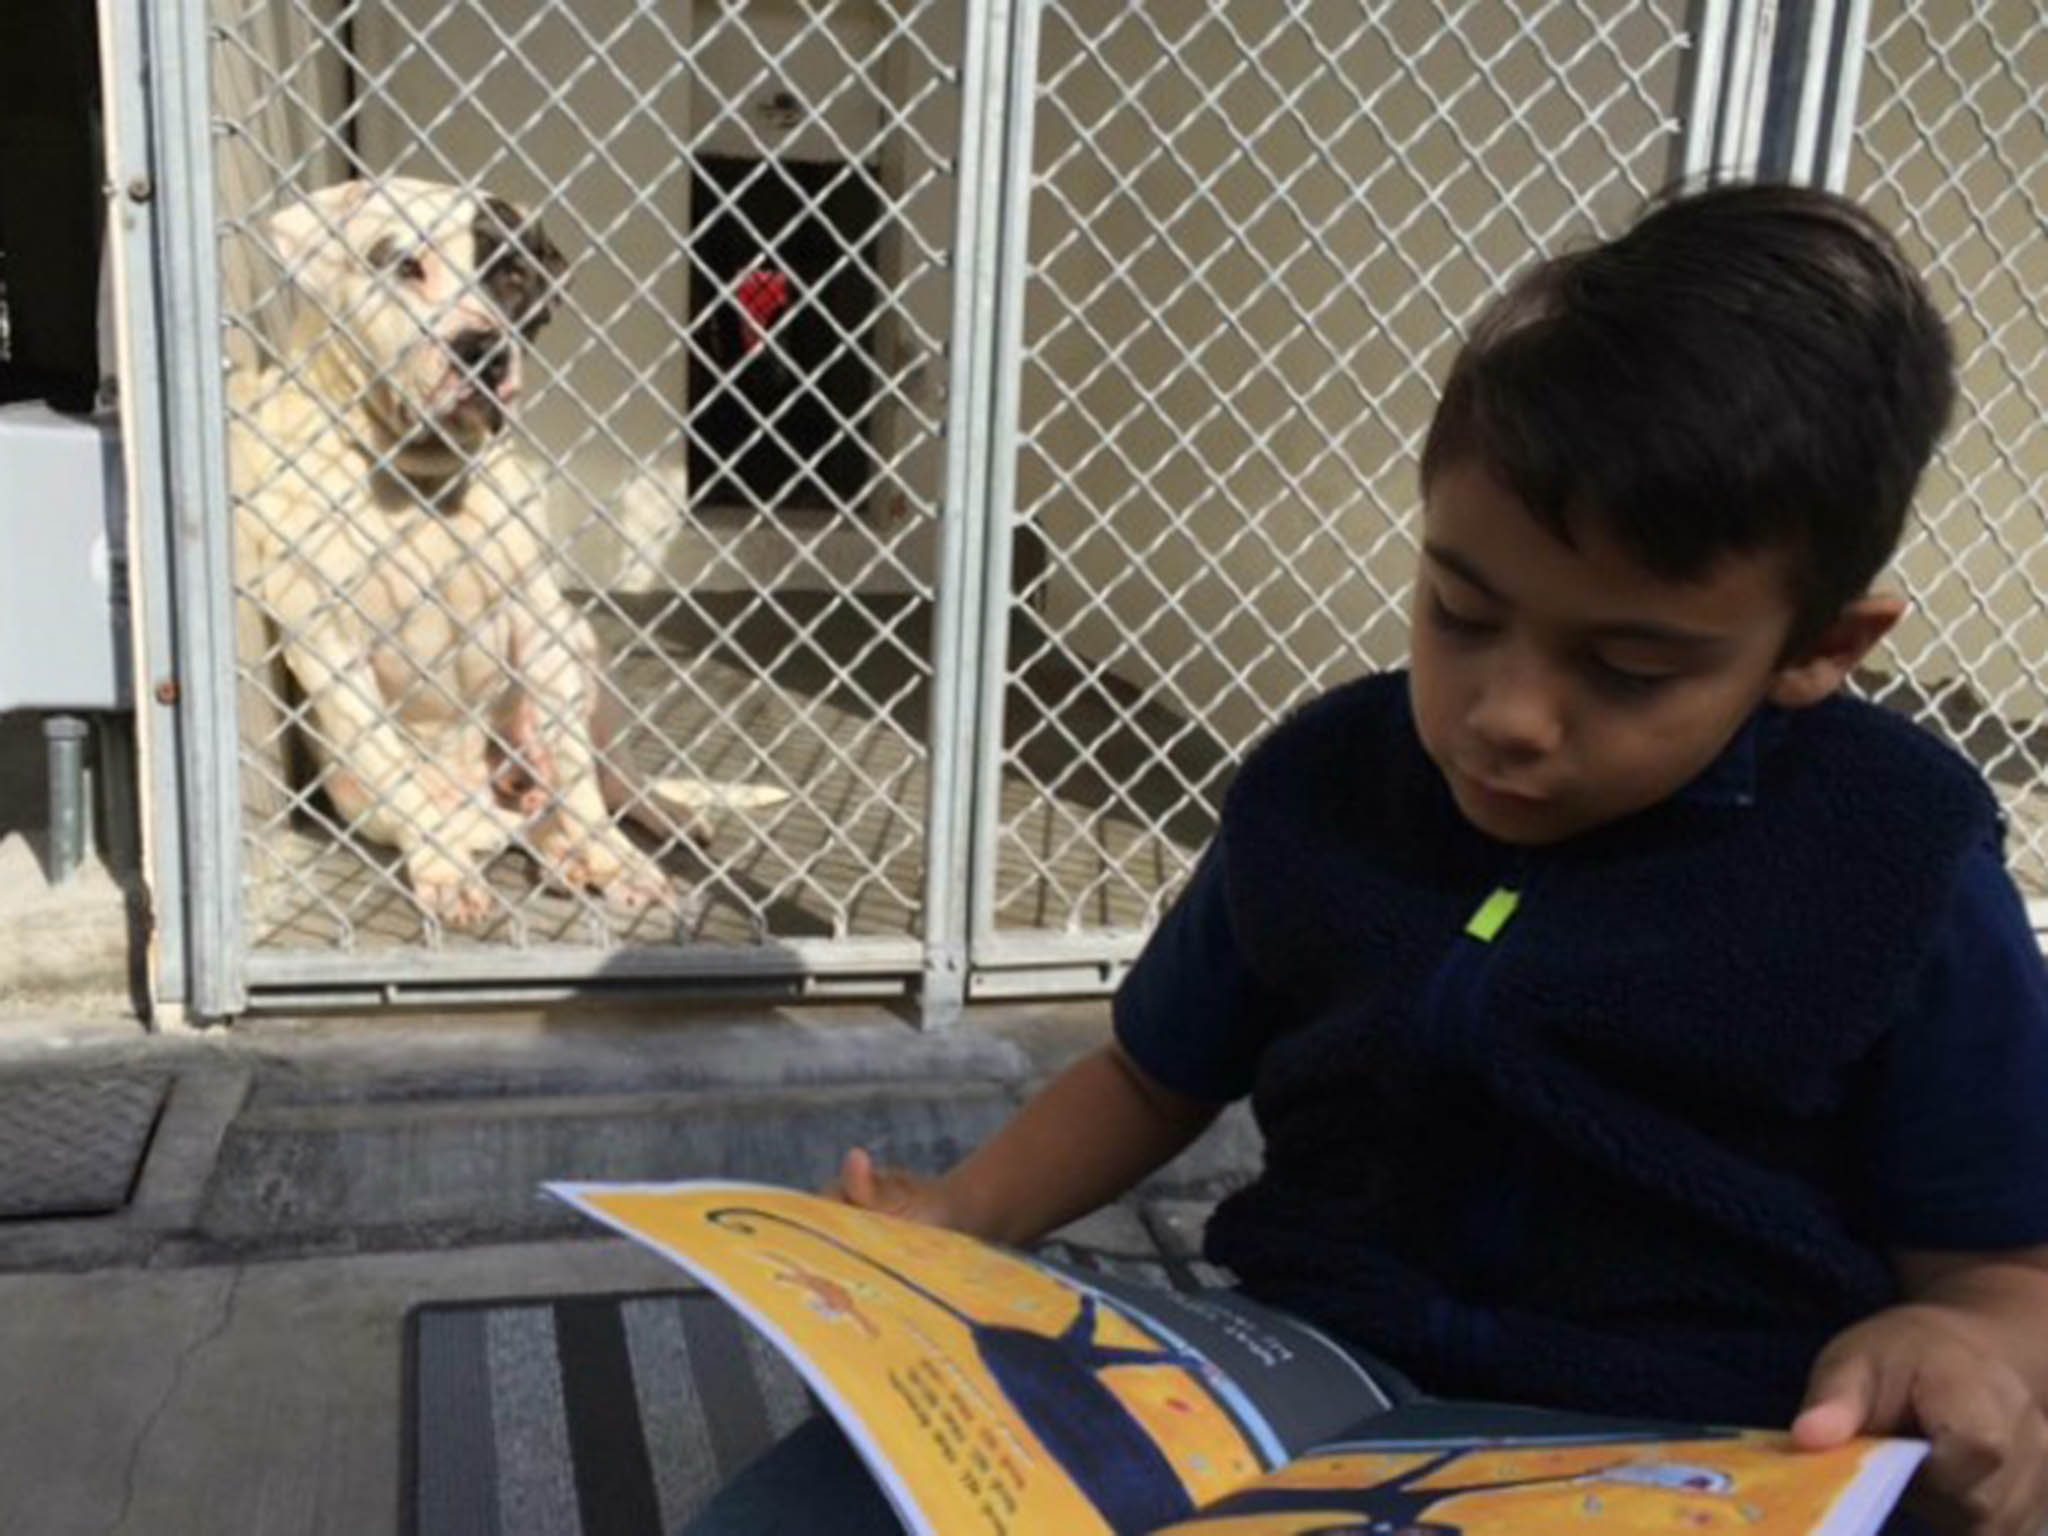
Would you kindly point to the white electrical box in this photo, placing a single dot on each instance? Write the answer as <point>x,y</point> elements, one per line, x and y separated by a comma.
<point>63,562</point>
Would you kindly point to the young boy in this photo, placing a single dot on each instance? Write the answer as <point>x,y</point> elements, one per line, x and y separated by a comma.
<point>1635,1023</point>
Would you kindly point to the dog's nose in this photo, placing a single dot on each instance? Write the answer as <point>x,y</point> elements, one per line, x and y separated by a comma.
<point>486,354</point>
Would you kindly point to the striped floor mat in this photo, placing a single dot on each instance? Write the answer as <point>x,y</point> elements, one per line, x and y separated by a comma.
<point>600,1415</point>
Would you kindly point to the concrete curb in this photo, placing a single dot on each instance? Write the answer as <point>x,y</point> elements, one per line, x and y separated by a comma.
<point>339,1135</point>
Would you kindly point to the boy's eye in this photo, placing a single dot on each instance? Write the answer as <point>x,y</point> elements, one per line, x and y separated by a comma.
<point>1623,682</point>
<point>1452,622</point>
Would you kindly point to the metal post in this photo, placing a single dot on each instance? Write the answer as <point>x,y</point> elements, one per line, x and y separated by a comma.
<point>1705,64</point>
<point>1815,77</point>
<point>1785,113</point>
<point>956,618</point>
<point>1812,88</point>
<point>1001,426</point>
<point>1837,129</point>
<point>132,263</point>
<point>64,746</point>
<point>1727,88</point>
<point>1746,88</point>
<point>202,536</point>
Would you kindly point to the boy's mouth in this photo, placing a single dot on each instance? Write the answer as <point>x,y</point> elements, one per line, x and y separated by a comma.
<point>1504,793</point>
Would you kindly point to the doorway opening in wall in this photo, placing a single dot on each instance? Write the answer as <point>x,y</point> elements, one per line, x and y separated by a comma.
<point>784,310</point>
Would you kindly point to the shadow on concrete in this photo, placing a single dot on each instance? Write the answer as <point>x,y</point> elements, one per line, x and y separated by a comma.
<point>1083,733</point>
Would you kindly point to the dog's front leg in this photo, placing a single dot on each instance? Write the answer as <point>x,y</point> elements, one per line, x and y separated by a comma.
<point>385,786</point>
<point>580,847</point>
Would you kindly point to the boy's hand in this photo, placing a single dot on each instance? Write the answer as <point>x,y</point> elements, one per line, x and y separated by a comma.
<point>1082,1140</point>
<point>1936,1371</point>
<point>890,1191</point>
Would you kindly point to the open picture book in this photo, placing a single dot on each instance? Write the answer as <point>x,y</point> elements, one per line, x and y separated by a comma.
<point>994,1392</point>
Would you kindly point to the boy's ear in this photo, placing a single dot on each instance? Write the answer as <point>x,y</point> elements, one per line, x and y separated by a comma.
<point>1824,665</point>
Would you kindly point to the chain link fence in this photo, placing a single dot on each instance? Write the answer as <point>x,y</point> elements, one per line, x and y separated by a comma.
<point>717,490</point>
<point>1256,233</point>
<point>1951,150</point>
<point>952,421</point>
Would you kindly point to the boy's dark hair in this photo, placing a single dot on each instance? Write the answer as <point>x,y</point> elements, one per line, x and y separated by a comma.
<point>1748,368</point>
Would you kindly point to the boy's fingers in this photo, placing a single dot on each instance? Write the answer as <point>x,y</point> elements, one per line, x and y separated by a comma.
<point>873,1188</point>
<point>1839,1399</point>
<point>2030,1489</point>
<point>1827,1424</point>
<point>857,1177</point>
<point>888,1190</point>
<point>1971,1432</point>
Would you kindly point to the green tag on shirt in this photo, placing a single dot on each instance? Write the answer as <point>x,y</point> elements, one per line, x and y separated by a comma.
<point>1493,914</point>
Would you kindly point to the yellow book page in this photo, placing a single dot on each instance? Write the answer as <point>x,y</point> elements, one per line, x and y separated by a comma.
<point>1752,1484</point>
<point>989,1391</point>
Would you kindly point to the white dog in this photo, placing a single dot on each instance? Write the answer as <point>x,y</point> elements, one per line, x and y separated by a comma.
<point>393,535</point>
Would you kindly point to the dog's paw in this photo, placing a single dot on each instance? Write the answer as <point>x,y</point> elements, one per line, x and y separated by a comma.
<point>628,879</point>
<point>642,887</point>
<point>451,893</point>
<point>523,798</point>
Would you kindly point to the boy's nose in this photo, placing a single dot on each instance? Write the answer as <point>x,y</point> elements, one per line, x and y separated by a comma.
<point>1517,714</point>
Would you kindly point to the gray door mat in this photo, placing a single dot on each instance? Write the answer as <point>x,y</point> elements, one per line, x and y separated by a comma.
<point>605,1415</point>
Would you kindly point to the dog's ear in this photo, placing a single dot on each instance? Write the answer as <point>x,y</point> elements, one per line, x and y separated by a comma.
<point>516,263</point>
<point>309,235</point>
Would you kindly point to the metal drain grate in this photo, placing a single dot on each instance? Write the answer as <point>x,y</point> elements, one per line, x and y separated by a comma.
<point>72,1142</point>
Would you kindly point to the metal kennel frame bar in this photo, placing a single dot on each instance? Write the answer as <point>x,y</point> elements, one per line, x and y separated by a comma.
<point>132,256</point>
<point>968,553</point>
<point>172,420</point>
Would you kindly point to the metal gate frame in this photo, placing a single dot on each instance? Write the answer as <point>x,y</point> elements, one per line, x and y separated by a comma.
<point>1007,964</point>
<point>1769,88</point>
<point>160,124</point>
<point>1723,94</point>
<point>1768,85</point>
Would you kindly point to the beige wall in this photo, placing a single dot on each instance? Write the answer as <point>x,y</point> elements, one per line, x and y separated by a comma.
<point>278,87</point>
<point>1978,570</point>
<point>1235,344</point>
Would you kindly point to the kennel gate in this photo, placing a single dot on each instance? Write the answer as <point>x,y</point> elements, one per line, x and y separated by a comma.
<point>982,419</point>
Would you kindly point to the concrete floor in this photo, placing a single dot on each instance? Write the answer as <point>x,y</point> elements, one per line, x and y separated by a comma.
<point>257,1398</point>
<point>223,1354</point>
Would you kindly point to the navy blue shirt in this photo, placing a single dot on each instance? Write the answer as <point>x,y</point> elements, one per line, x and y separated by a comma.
<point>1958,1113</point>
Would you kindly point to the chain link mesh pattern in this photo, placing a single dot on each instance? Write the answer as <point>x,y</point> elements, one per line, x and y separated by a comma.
<point>1951,150</point>
<point>732,422</point>
<point>1256,232</point>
